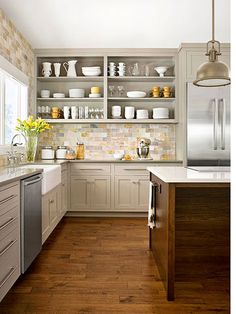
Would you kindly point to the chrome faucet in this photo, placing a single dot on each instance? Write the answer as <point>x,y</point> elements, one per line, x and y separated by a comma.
<point>13,156</point>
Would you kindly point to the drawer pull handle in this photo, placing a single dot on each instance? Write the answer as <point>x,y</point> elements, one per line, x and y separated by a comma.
<point>7,247</point>
<point>7,223</point>
<point>96,169</point>
<point>7,199</point>
<point>8,275</point>
<point>51,201</point>
<point>135,169</point>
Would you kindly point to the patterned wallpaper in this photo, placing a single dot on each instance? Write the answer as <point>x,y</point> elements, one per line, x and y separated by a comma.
<point>103,140</point>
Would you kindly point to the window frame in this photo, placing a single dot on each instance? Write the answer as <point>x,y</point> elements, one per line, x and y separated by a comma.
<point>7,70</point>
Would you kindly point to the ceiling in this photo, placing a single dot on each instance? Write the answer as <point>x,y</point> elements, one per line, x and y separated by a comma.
<point>117,23</point>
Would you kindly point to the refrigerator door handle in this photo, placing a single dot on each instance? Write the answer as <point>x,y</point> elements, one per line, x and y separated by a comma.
<point>215,123</point>
<point>223,122</point>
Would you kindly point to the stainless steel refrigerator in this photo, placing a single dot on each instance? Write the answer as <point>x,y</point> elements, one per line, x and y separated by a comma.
<point>208,126</point>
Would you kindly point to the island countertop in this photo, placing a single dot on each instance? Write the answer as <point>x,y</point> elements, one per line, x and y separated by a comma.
<point>186,175</point>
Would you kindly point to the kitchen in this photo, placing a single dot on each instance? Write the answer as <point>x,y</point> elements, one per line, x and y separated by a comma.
<point>120,225</point>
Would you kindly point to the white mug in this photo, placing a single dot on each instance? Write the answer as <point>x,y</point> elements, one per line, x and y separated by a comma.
<point>129,112</point>
<point>116,111</point>
<point>66,110</point>
<point>57,67</point>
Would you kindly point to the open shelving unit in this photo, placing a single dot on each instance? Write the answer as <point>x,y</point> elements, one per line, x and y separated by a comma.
<point>92,57</point>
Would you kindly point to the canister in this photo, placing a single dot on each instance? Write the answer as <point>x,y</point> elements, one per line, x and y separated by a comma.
<point>47,153</point>
<point>61,152</point>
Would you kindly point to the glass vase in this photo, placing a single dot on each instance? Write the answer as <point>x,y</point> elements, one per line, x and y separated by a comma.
<point>31,148</point>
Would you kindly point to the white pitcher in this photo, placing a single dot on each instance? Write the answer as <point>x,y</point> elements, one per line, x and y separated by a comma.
<point>71,71</point>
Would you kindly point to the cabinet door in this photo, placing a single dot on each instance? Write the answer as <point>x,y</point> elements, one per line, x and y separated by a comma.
<point>53,206</point>
<point>124,192</point>
<point>100,192</point>
<point>142,193</point>
<point>80,193</point>
<point>64,195</point>
<point>45,217</point>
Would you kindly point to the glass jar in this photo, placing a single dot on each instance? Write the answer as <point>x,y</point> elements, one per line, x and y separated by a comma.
<point>80,151</point>
<point>70,154</point>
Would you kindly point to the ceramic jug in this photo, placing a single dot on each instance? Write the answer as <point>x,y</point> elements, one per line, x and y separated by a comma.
<point>70,68</point>
<point>47,71</point>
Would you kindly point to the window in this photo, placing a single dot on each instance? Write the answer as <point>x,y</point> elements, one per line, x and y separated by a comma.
<point>13,105</point>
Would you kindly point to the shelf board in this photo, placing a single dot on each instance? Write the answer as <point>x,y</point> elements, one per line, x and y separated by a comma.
<point>116,121</point>
<point>88,99</point>
<point>141,78</point>
<point>142,99</point>
<point>70,79</point>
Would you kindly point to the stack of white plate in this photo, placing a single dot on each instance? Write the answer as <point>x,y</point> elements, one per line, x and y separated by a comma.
<point>160,113</point>
<point>91,71</point>
<point>58,95</point>
<point>136,94</point>
<point>142,114</point>
<point>76,93</point>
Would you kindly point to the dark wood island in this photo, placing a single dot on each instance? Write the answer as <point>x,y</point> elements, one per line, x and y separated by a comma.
<point>191,238</point>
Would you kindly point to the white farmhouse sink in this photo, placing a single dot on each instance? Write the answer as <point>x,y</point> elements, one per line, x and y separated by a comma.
<point>51,176</point>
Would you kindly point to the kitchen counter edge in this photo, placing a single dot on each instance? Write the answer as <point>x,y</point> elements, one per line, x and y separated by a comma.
<point>11,174</point>
<point>185,175</point>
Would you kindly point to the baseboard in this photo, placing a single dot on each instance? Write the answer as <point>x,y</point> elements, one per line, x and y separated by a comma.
<point>106,214</point>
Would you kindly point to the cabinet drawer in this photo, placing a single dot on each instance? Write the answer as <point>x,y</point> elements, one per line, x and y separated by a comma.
<point>90,169</point>
<point>9,197</point>
<point>9,221</point>
<point>9,261</point>
<point>132,170</point>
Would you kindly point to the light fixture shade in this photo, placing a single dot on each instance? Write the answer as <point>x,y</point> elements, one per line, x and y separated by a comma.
<point>211,74</point>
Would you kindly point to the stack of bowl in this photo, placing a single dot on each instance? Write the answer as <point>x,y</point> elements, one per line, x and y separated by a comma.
<point>95,92</point>
<point>112,69</point>
<point>121,69</point>
<point>91,71</point>
<point>160,113</point>
<point>76,93</point>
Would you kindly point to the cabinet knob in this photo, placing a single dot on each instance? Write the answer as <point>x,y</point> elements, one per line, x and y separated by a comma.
<point>51,201</point>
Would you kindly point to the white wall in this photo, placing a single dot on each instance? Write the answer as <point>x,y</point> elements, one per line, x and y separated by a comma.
<point>117,23</point>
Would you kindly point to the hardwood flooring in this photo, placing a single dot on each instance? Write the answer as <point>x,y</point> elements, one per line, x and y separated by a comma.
<point>104,266</point>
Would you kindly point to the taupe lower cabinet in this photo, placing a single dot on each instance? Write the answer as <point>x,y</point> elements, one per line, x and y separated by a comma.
<point>131,192</point>
<point>105,187</point>
<point>9,236</point>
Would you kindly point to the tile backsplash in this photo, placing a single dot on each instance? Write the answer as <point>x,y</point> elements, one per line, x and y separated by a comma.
<point>103,140</point>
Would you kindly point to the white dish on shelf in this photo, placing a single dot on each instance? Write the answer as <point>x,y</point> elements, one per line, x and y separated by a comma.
<point>161,70</point>
<point>136,94</point>
<point>160,113</point>
<point>76,93</point>
<point>95,95</point>
<point>91,71</point>
<point>58,95</point>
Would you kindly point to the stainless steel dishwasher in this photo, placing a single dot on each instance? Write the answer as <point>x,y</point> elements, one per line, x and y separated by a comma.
<point>31,219</point>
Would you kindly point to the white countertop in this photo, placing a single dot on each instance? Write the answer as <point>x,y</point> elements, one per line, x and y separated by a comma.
<point>185,175</point>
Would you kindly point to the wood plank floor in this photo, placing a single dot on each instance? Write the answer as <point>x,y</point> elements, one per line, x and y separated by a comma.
<point>103,265</point>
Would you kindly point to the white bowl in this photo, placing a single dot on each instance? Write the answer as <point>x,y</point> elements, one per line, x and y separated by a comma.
<point>136,94</point>
<point>161,70</point>
<point>45,93</point>
<point>76,93</point>
<point>118,156</point>
<point>95,95</point>
<point>58,95</point>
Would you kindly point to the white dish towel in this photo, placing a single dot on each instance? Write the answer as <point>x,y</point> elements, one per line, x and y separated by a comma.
<point>151,210</point>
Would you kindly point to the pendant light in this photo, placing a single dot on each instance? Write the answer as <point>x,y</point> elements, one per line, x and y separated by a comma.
<point>213,73</point>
